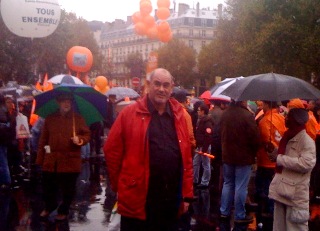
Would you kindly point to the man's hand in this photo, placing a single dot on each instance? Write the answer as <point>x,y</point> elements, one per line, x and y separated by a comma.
<point>273,155</point>
<point>185,207</point>
<point>76,140</point>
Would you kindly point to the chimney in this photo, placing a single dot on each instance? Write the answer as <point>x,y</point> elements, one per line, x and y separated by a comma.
<point>220,10</point>
<point>198,9</point>
<point>129,19</point>
<point>182,8</point>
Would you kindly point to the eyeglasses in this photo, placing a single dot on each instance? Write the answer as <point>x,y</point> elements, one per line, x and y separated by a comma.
<point>199,109</point>
<point>165,85</point>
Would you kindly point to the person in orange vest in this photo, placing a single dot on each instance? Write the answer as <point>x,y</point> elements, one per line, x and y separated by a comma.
<point>312,124</point>
<point>271,128</point>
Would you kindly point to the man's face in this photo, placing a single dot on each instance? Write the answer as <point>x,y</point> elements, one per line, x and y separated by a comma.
<point>160,88</point>
<point>9,104</point>
<point>65,105</point>
<point>311,104</point>
<point>289,121</point>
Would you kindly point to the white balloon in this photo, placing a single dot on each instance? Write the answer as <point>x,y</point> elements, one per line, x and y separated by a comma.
<point>31,18</point>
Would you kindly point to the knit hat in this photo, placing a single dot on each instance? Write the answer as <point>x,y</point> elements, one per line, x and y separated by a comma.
<point>64,96</point>
<point>295,103</point>
<point>300,115</point>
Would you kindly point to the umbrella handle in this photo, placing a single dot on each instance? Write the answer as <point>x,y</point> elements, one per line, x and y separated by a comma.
<point>73,125</point>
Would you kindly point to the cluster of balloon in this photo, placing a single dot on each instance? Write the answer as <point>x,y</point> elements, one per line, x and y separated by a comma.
<point>145,24</point>
<point>79,59</point>
<point>101,84</point>
<point>31,19</point>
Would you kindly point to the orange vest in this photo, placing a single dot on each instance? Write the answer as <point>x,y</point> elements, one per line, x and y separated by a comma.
<point>272,128</point>
<point>312,126</point>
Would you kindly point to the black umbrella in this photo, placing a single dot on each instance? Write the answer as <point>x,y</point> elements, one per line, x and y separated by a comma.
<point>271,87</point>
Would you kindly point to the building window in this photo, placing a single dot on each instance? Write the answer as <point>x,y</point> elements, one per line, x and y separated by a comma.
<point>214,34</point>
<point>203,22</point>
<point>191,32</point>
<point>203,43</point>
<point>191,43</point>
<point>203,33</point>
<point>191,21</point>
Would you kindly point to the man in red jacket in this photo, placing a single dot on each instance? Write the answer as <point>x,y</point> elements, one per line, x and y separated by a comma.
<point>148,156</point>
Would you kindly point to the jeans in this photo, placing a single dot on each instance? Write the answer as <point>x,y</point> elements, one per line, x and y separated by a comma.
<point>85,151</point>
<point>83,183</point>
<point>204,161</point>
<point>235,189</point>
<point>4,168</point>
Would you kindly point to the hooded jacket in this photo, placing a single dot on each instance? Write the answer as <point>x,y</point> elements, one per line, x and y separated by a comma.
<point>127,156</point>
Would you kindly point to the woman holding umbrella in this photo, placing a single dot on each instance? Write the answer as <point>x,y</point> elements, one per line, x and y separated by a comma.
<point>63,134</point>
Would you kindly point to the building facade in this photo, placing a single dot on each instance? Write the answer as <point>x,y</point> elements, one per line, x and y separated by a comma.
<point>194,26</point>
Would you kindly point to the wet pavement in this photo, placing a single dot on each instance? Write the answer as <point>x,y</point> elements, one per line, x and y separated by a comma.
<point>20,207</point>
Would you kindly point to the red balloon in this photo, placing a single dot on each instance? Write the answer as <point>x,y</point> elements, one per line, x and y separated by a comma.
<point>136,17</point>
<point>152,32</point>
<point>140,28</point>
<point>163,27</point>
<point>163,3</point>
<point>79,59</point>
<point>145,8</point>
<point>163,13</point>
<point>149,21</point>
<point>165,37</point>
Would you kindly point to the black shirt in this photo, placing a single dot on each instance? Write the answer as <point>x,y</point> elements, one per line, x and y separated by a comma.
<point>165,157</point>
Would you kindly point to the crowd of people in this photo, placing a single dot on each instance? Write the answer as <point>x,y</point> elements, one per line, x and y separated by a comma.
<point>162,148</point>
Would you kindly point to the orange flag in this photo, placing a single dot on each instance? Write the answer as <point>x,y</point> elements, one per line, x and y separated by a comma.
<point>38,86</point>
<point>33,117</point>
<point>46,85</point>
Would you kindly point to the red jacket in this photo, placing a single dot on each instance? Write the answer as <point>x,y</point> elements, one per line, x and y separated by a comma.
<point>127,156</point>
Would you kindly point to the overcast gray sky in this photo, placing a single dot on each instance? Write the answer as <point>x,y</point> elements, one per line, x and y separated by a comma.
<point>108,10</point>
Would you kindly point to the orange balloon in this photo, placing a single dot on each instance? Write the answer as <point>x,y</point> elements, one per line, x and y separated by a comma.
<point>165,37</point>
<point>101,82</point>
<point>145,8</point>
<point>149,21</point>
<point>140,28</point>
<point>136,17</point>
<point>163,27</point>
<point>163,13</point>
<point>152,32</point>
<point>163,3</point>
<point>79,59</point>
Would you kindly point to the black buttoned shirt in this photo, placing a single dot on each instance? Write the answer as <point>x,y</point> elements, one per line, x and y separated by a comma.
<point>165,157</point>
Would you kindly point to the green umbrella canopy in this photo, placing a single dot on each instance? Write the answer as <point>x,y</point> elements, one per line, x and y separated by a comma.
<point>88,102</point>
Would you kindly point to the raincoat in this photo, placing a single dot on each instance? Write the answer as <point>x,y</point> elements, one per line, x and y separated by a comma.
<point>272,128</point>
<point>64,155</point>
<point>127,157</point>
